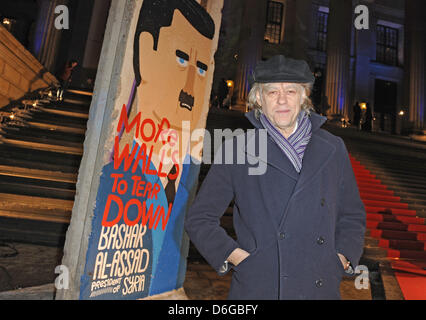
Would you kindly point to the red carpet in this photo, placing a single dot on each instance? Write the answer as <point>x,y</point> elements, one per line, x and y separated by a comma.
<point>398,229</point>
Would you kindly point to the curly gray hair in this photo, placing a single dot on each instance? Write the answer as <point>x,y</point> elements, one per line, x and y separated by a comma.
<point>258,88</point>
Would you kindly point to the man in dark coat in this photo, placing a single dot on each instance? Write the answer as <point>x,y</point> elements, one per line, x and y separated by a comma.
<point>299,223</point>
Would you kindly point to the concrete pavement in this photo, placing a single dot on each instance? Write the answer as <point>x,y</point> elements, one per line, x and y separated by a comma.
<point>29,275</point>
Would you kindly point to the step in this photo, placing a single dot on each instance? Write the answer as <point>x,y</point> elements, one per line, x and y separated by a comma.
<point>400,173</point>
<point>80,92</point>
<point>412,200</point>
<point>390,159</point>
<point>46,233</point>
<point>387,156</point>
<point>405,212</point>
<point>407,254</point>
<point>397,168</point>
<point>386,204</point>
<point>401,169</point>
<point>63,113</point>
<point>42,140</point>
<point>370,241</point>
<point>415,191</point>
<point>357,143</point>
<point>29,164</point>
<point>393,184</point>
<point>374,151</point>
<point>402,244</point>
<point>53,121</point>
<point>75,101</point>
<point>15,171</point>
<point>379,197</point>
<point>26,132</point>
<point>37,188</point>
<point>374,252</point>
<point>364,175</point>
<point>412,267</point>
<point>41,146</point>
<point>394,234</point>
<point>380,174</point>
<point>368,180</point>
<point>409,193</point>
<point>69,110</point>
<point>56,118</point>
<point>56,127</point>
<point>393,218</point>
<point>35,208</point>
<point>374,191</point>
<point>396,226</point>
<point>416,180</point>
<point>403,184</point>
<point>362,185</point>
<point>360,169</point>
<point>47,156</point>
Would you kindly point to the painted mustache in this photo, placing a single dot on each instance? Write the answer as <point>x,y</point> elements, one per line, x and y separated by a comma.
<point>186,100</point>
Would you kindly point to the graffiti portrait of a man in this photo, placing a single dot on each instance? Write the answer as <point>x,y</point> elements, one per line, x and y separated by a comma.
<point>172,56</point>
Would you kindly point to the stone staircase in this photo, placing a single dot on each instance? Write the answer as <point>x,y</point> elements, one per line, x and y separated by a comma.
<point>40,153</point>
<point>391,176</point>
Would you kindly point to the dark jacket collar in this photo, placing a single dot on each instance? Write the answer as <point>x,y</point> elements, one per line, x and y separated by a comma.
<point>318,153</point>
<point>316,120</point>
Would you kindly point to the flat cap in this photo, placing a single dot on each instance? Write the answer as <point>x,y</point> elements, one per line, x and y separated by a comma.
<point>281,69</point>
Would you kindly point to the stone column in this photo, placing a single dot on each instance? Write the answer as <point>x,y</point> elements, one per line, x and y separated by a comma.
<point>155,254</point>
<point>47,37</point>
<point>364,53</point>
<point>338,56</point>
<point>415,57</point>
<point>93,47</point>
<point>251,44</point>
<point>96,34</point>
<point>302,29</point>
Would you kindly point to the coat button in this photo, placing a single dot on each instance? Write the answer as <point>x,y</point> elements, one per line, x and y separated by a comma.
<point>322,202</point>
<point>282,235</point>
<point>320,240</point>
<point>318,283</point>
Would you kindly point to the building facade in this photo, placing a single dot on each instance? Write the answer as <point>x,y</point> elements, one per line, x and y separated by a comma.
<point>381,64</point>
<point>32,23</point>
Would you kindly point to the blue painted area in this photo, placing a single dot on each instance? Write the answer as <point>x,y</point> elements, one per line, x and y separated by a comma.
<point>167,248</point>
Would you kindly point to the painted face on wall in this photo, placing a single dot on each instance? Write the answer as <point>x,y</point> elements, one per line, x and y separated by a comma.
<point>174,77</point>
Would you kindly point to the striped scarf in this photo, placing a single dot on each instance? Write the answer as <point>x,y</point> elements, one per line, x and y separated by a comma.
<point>293,147</point>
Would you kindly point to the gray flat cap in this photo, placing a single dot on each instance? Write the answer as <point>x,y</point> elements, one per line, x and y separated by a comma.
<point>282,69</point>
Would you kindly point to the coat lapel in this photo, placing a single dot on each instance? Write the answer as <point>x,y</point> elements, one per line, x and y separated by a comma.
<point>278,160</point>
<point>275,156</point>
<point>317,155</point>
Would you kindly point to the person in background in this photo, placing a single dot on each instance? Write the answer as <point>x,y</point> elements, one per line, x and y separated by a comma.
<point>366,126</point>
<point>65,76</point>
<point>357,114</point>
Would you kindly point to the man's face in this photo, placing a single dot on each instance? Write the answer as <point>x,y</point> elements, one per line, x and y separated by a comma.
<point>281,104</point>
<point>174,76</point>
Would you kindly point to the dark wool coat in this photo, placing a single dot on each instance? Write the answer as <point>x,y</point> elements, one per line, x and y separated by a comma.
<point>293,225</point>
